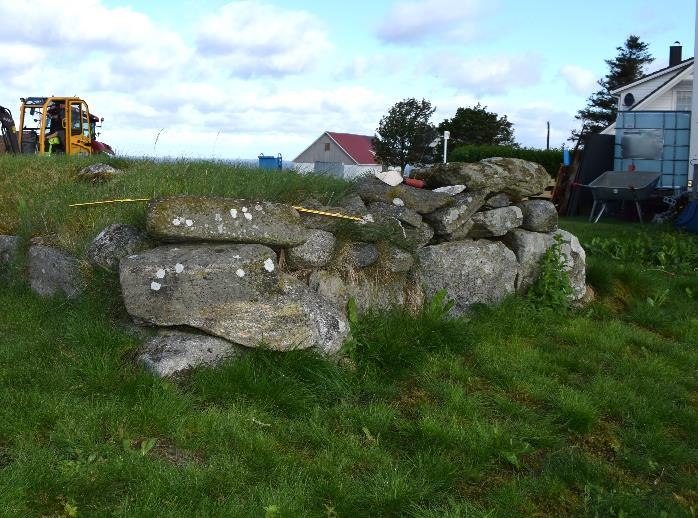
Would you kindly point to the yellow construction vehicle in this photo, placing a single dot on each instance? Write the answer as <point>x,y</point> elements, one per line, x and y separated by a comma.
<point>58,125</point>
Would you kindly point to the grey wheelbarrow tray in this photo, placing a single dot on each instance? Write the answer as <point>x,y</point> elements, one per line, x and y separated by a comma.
<point>622,185</point>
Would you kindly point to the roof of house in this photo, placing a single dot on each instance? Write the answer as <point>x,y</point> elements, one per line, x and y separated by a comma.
<point>676,69</point>
<point>358,147</point>
<point>673,74</point>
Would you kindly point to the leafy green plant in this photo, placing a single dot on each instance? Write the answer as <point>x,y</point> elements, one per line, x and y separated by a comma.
<point>670,251</point>
<point>552,290</point>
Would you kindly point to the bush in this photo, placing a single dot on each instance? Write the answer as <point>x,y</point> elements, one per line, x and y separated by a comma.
<point>550,159</point>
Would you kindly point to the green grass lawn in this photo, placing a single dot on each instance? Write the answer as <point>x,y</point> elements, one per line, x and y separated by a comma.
<point>510,411</point>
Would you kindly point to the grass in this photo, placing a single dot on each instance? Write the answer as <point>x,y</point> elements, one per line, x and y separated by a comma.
<point>510,411</point>
<point>35,192</point>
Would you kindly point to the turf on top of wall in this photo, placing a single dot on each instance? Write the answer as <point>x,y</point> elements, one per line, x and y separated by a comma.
<point>35,192</point>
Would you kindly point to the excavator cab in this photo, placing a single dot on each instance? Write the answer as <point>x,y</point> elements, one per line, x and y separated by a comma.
<point>58,125</point>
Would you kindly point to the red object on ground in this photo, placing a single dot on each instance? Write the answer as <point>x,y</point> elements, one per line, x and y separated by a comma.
<point>419,184</point>
<point>632,167</point>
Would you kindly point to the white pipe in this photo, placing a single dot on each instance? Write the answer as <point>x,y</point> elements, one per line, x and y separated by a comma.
<point>447,135</point>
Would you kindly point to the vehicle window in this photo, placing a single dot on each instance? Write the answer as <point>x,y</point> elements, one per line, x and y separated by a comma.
<point>75,119</point>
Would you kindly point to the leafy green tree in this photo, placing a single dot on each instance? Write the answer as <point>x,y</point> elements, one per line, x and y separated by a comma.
<point>404,134</point>
<point>478,126</point>
<point>626,67</point>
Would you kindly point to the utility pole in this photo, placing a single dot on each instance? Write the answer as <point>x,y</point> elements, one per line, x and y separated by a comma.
<point>547,140</point>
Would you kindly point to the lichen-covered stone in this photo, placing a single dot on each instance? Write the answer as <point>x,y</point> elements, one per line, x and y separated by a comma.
<point>495,222</point>
<point>538,215</point>
<point>172,351</point>
<point>316,252</point>
<point>113,243</point>
<point>529,248</point>
<point>498,201</point>
<point>52,271</point>
<point>470,271</point>
<point>451,189</point>
<point>9,251</point>
<point>98,173</point>
<point>575,263</point>
<point>231,291</point>
<point>381,210</point>
<point>396,260</point>
<point>445,221</point>
<point>423,201</point>
<point>513,176</point>
<point>353,203</point>
<point>362,255</point>
<point>191,218</point>
<point>368,292</point>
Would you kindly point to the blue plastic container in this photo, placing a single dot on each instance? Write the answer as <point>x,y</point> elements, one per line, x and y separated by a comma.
<point>270,162</point>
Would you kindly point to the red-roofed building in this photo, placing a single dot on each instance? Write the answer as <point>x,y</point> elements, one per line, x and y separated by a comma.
<point>341,154</point>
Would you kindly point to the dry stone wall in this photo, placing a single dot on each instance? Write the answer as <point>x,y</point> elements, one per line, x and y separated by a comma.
<point>215,271</point>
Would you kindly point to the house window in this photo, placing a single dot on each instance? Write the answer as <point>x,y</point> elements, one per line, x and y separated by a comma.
<point>684,100</point>
<point>327,146</point>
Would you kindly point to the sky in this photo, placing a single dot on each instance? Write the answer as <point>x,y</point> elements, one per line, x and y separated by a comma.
<point>233,79</point>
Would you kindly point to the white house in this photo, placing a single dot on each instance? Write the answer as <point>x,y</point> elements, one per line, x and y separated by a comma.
<point>345,155</point>
<point>653,127</point>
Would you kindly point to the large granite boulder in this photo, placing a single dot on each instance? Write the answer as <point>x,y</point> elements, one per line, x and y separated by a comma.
<point>513,176</point>
<point>471,272</point>
<point>173,351</point>
<point>231,291</point>
<point>495,222</point>
<point>447,220</point>
<point>52,271</point>
<point>538,215</point>
<point>316,252</point>
<point>423,201</point>
<point>530,247</point>
<point>191,218</point>
<point>9,251</point>
<point>113,243</point>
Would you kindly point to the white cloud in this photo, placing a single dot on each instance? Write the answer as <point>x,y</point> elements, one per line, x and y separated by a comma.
<point>413,21</point>
<point>254,39</point>
<point>486,74</point>
<point>581,80</point>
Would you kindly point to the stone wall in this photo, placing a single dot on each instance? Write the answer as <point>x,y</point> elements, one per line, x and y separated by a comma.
<point>242,273</point>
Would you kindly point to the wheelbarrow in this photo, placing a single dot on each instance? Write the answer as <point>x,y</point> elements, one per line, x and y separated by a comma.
<point>624,186</point>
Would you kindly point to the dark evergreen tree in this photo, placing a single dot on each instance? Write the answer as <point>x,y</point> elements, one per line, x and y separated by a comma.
<point>404,134</point>
<point>626,67</point>
<point>478,126</point>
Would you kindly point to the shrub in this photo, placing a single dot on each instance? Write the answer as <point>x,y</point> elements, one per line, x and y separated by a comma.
<point>550,159</point>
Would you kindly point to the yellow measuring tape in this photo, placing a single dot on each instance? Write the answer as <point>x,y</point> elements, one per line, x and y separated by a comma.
<point>330,214</point>
<point>105,202</point>
<point>298,208</point>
